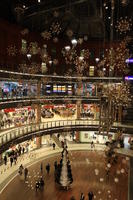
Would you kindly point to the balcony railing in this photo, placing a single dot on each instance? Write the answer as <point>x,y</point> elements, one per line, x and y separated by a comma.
<point>9,135</point>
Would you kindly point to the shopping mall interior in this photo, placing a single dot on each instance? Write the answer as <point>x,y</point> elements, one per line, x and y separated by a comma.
<point>66,99</point>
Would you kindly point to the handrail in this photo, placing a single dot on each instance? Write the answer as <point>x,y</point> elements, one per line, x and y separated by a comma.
<point>8,135</point>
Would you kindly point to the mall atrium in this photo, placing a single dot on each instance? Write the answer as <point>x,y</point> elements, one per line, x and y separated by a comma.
<point>66,99</point>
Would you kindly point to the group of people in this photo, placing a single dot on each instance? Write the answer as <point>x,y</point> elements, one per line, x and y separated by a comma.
<point>14,154</point>
<point>23,171</point>
<point>82,196</point>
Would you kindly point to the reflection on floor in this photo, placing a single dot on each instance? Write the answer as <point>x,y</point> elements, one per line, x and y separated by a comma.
<point>84,166</point>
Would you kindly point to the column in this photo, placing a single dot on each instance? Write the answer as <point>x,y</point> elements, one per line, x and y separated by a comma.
<point>0,158</point>
<point>38,112</point>
<point>130,180</point>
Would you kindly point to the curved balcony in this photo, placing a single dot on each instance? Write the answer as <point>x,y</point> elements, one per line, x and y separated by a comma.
<point>27,132</point>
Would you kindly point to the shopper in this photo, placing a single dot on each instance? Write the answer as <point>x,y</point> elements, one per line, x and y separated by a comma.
<point>92,145</point>
<point>5,159</point>
<point>11,160</point>
<point>23,150</point>
<point>82,197</point>
<point>25,174</point>
<point>53,146</point>
<point>20,170</point>
<point>41,168</point>
<point>48,168</point>
<point>90,195</point>
<point>41,183</point>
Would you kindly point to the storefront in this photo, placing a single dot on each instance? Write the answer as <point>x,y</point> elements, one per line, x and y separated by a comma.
<point>89,136</point>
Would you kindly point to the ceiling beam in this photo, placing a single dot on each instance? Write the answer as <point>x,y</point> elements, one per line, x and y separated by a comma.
<point>52,8</point>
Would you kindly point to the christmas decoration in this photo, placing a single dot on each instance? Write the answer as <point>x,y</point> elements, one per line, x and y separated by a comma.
<point>55,28</point>
<point>12,50</point>
<point>64,171</point>
<point>123,25</point>
<point>69,55</point>
<point>69,33</point>
<point>46,35</point>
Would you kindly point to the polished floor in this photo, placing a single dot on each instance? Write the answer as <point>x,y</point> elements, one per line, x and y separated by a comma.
<point>83,165</point>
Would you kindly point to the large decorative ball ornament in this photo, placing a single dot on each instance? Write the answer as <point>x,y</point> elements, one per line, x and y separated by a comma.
<point>109,165</point>
<point>116,180</point>
<point>109,191</point>
<point>122,171</point>
<point>69,33</point>
<point>101,179</point>
<point>94,196</point>
<point>118,172</point>
<point>109,196</point>
<point>96,172</point>
<point>99,192</point>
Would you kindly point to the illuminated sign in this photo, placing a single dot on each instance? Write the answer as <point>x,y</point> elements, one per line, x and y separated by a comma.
<point>128,78</point>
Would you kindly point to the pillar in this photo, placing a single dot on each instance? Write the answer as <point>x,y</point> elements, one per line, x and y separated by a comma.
<point>130,180</point>
<point>0,158</point>
<point>119,113</point>
<point>38,112</point>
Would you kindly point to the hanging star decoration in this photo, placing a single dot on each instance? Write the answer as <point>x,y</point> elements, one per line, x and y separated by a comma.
<point>46,35</point>
<point>12,50</point>
<point>55,28</point>
<point>69,56</point>
<point>124,25</point>
<point>80,65</point>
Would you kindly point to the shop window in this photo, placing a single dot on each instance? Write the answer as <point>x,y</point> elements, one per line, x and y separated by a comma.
<point>24,46</point>
<point>91,71</point>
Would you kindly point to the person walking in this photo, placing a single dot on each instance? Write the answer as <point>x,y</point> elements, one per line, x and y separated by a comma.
<point>11,160</point>
<point>5,160</point>
<point>48,168</point>
<point>20,170</point>
<point>90,195</point>
<point>25,174</point>
<point>53,146</point>
<point>82,197</point>
<point>41,168</point>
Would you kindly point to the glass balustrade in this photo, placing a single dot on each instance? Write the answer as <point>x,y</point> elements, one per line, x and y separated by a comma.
<point>17,132</point>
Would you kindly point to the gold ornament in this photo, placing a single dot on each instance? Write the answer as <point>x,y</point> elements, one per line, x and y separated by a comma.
<point>123,25</point>
<point>46,35</point>
<point>12,50</point>
<point>55,28</point>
